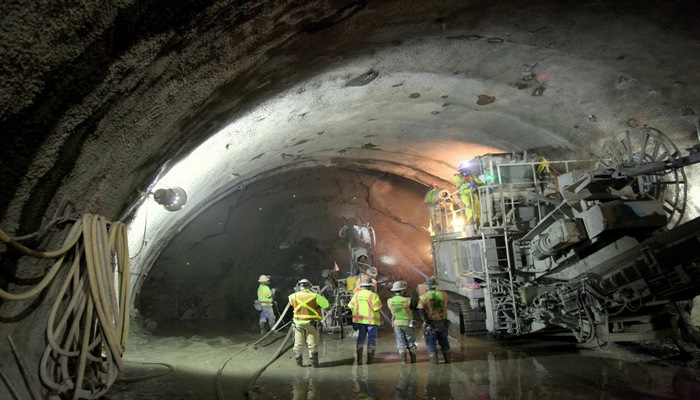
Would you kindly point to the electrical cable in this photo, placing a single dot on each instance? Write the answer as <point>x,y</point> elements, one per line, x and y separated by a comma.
<point>84,349</point>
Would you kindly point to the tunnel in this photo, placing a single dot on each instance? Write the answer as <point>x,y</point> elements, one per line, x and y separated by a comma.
<point>281,123</point>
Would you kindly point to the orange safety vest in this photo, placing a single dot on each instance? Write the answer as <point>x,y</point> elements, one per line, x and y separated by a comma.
<point>365,306</point>
<point>305,306</point>
<point>434,302</point>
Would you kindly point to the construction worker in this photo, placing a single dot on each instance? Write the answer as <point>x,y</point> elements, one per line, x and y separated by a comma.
<point>432,307</point>
<point>371,273</point>
<point>365,306</point>
<point>265,298</point>
<point>432,196</point>
<point>402,320</point>
<point>467,182</point>
<point>307,307</point>
<point>543,169</point>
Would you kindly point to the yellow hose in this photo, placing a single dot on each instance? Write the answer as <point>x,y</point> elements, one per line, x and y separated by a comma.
<point>84,349</point>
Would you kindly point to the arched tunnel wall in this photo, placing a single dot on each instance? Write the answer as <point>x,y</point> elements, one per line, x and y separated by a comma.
<point>99,101</point>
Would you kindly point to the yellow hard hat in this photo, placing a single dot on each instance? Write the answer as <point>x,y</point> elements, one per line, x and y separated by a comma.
<point>263,278</point>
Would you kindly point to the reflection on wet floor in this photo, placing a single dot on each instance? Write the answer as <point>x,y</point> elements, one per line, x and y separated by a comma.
<point>482,368</point>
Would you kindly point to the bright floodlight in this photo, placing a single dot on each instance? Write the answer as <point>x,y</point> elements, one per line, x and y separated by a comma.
<point>171,199</point>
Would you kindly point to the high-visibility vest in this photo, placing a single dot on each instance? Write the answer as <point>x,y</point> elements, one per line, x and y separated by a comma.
<point>434,302</point>
<point>265,295</point>
<point>432,196</point>
<point>365,306</point>
<point>543,168</point>
<point>467,183</point>
<point>305,306</point>
<point>400,308</point>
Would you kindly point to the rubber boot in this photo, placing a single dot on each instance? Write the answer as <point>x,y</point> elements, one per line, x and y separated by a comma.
<point>359,355</point>
<point>448,356</point>
<point>433,358</point>
<point>299,359</point>
<point>314,360</point>
<point>370,354</point>
<point>262,328</point>
<point>412,353</point>
<point>403,357</point>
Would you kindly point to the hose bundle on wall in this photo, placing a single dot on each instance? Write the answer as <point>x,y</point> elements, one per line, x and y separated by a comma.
<point>88,325</point>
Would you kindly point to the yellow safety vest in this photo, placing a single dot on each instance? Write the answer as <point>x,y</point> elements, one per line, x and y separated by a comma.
<point>265,295</point>
<point>365,306</point>
<point>400,308</point>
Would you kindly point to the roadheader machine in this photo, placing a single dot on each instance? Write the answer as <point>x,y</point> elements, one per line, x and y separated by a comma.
<point>591,248</point>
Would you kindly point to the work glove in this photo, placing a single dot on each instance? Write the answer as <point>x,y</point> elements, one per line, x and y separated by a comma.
<point>347,311</point>
<point>428,329</point>
<point>355,327</point>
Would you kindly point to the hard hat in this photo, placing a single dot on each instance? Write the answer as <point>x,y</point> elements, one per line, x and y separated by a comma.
<point>367,282</point>
<point>263,278</point>
<point>372,271</point>
<point>398,286</point>
<point>430,282</point>
<point>304,282</point>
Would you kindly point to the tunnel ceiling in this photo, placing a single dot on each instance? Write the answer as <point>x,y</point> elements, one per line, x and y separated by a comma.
<point>100,102</point>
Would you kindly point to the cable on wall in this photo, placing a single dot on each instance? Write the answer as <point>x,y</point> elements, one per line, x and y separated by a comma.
<point>88,325</point>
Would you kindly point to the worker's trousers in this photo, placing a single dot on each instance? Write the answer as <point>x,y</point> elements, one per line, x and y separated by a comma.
<point>405,338</point>
<point>368,332</point>
<point>439,335</point>
<point>306,335</point>
<point>267,314</point>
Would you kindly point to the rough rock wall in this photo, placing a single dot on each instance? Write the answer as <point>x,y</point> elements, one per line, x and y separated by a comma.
<point>210,269</point>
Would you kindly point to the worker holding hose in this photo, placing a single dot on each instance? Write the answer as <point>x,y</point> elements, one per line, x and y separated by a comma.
<point>265,298</point>
<point>307,307</point>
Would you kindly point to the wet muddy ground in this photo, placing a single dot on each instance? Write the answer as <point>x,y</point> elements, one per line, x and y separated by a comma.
<point>482,368</point>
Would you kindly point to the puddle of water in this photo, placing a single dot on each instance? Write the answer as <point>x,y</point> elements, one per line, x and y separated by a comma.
<point>481,369</point>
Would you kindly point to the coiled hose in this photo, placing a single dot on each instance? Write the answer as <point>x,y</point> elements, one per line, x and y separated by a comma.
<point>85,347</point>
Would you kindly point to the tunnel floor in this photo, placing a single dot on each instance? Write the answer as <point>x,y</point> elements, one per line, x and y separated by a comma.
<point>482,368</point>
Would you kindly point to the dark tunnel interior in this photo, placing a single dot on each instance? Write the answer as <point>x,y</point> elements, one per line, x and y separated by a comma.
<point>286,227</point>
<point>283,122</point>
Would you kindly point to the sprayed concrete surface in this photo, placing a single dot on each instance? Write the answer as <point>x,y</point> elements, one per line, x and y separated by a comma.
<point>482,368</point>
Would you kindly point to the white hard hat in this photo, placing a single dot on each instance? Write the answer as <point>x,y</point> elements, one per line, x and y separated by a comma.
<point>372,271</point>
<point>263,278</point>
<point>367,282</point>
<point>304,282</point>
<point>398,286</point>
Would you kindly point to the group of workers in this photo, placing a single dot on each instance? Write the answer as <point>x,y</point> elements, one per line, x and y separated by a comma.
<point>365,307</point>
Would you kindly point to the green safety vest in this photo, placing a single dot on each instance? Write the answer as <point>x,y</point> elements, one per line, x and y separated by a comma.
<point>432,196</point>
<point>365,306</point>
<point>400,308</point>
<point>265,295</point>
<point>434,302</point>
